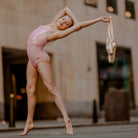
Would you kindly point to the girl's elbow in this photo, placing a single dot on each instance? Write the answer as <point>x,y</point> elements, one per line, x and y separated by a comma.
<point>80,25</point>
<point>60,35</point>
<point>66,8</point>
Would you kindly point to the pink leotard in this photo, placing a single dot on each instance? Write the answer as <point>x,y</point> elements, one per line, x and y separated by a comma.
<point>36,42</point>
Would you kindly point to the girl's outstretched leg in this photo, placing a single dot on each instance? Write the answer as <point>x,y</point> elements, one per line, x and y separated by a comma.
<point>31,86</point>
<point>45,71</point>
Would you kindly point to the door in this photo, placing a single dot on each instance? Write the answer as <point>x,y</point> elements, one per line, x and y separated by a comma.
<point>14,67</point>
<point>18,75</point>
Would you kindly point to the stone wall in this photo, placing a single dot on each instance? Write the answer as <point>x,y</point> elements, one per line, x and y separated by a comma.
<point>74,55</point>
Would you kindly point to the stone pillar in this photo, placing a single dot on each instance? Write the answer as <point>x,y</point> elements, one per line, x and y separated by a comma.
<point>1,87</point>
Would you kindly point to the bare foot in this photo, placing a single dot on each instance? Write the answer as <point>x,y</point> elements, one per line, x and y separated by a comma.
<point>69,128</point>
<point>27,128</point>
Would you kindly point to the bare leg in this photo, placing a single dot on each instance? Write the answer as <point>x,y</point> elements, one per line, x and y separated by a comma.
<point>45,71</point>
<point>31,84</point>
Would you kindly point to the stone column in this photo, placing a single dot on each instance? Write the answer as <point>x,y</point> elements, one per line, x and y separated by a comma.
<point>1,86</point>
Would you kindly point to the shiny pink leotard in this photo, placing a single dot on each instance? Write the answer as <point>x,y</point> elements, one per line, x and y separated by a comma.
<point>35,44</point>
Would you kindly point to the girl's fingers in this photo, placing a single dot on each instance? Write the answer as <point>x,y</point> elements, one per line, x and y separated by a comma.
<point>107,19</point>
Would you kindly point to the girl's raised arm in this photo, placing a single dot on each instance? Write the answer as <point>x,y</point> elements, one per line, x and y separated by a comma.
<point>71,15</point>
<point>65,11</point>
<point>59,15</point>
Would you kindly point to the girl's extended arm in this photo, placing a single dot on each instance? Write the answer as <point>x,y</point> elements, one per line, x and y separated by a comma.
<point>90,22</point>
<point>80,25</point>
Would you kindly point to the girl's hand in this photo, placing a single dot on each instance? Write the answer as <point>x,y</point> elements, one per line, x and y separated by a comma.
<point>106,19</point>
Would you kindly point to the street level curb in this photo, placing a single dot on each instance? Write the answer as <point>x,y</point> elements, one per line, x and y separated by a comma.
<point>78,125</point>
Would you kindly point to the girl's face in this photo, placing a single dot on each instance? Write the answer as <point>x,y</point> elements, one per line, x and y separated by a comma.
<point>64,22</point>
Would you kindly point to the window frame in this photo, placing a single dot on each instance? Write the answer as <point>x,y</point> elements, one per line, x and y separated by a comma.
<point>133,16</point>
<point>87,4</point>
<point>115,8</point>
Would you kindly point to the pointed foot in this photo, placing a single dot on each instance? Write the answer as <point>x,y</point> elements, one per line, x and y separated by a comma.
<point>27,128</point>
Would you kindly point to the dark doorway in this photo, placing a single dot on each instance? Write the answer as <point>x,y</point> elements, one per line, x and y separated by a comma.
<point>14,66</point>
<point>18,71</point>
<point>118,75</point>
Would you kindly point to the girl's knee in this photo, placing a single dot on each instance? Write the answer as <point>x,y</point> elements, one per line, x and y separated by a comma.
<point>30,90</point>
<point>52,89</point>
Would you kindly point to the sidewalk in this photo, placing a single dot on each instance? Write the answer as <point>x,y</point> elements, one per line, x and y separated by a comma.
<point>76,122</point>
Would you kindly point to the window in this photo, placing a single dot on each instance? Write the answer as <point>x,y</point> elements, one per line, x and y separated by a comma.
<point>130,11</point>
<point>111,6</point>
<point>91,3</point>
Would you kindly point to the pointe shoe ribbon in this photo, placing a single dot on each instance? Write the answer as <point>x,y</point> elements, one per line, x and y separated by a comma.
<point>110,43</point>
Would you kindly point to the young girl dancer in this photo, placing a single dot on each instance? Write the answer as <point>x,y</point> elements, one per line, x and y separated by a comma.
<point>62,25</point>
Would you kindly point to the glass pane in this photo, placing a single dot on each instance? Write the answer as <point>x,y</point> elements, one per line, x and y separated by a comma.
<point>111,6</point>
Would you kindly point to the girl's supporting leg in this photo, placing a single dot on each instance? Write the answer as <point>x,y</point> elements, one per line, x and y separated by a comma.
<point>31,86</point>
<point>44,70</point>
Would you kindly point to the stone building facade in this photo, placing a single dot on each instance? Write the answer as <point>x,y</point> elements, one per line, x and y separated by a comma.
<point>74,59</point>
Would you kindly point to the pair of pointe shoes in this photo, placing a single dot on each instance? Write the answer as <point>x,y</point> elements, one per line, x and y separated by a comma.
<point>68,125</point>
<point>110,43</point>
<point>111,50</point>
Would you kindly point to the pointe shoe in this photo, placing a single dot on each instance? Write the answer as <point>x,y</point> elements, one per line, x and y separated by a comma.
<point>27,128</point>
<point>69,128</point>
<point>111,58</point>
<point>111,50</point>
